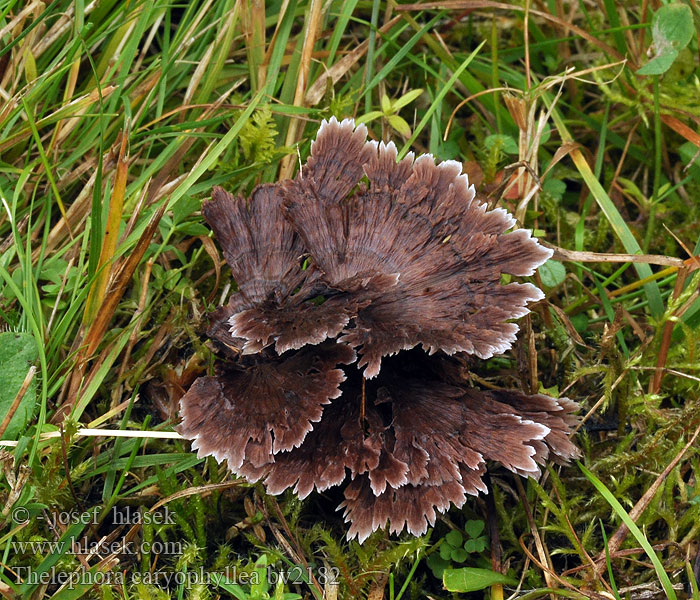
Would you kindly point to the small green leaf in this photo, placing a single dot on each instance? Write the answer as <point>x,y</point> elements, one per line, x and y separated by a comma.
<point>504,142</point>
<point>259,586</point>
<point>459,555</point>
<point>580,322</point>
<point>660,64</point>
<point>468,579</point>
<point>184,207</point>
<point>370,116</point>
<point>454,538</point>
<point>193,229</point>
<point>18,352</point>
<point>386,105</point>
<point>29,66</point>
<point>437,564</point>
<point>407,98</point>
<point>474,527</point>
<point>673,25</point>
<point>555,188</point>
<point>400,125</point>
<point>671,29</point>
<point>552,273</point>
<point>470,546</point>
<point>445,551</point>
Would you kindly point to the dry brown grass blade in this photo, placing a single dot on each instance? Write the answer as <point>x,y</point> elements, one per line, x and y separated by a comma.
<point>109,242</point>
<point>681,129</point>
<point>579,545</point>
<point>19,18</point>
<point>655,383</point>
<point>6,591</point>
<point>201,491</point>
<point>60,26</point>
<point>564,319</point>
<point>318,89</point>
<point>18,398</point>
<point>562,254</point>
<point>87,346</point>
<point>543,563</point>
<point>619,536</point>
<point>297,553</point>
<point>122,278</point>
<point>564,150</point>
<point>98,328</point>
<point>553,574</point>
<point>479,4</point>
<point>134,336</point>
<point>253,20</point>
<point>213,253</point>
<point>313,24</point>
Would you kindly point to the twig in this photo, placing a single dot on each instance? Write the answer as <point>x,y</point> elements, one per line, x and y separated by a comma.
<point>87,432</point>
<point>650,259</point>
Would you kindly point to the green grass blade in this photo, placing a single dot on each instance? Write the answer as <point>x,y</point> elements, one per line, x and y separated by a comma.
<point>622,231</point>
<point>634,530</point>
<point>443,92</point>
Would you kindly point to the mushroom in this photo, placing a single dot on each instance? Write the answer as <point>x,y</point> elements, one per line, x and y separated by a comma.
<point>362,286</point>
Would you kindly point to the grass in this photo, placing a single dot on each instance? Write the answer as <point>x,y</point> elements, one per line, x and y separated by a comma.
<point>116,120</point>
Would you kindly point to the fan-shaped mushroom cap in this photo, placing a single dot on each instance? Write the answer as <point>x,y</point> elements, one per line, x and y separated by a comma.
<point>363,253</point>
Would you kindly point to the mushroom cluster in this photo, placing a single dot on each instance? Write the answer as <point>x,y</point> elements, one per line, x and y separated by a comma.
<point>342,273</point>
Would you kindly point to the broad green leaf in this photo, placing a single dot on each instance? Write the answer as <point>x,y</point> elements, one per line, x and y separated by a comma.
<point>552,273</point>
<point>470,579</point>
<point>18,352</point>
<point>400,125</point>
<point>504,142</point>
<point>454,538</point>
<point>459,555</point>
<point>407,98</point>
<point>474,527</point>
<point>438,564</point>
<point>671,29</point>
<point>555,188</point>
<point>475,545</point>
<point>386,104</point>
<point>370,116</point>
<point>580,322</point>
<point>672,25</point>
<point>659,64</point>
<point>184,207</point>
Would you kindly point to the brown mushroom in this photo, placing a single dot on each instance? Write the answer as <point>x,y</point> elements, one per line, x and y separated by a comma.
<point>361,253</point>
